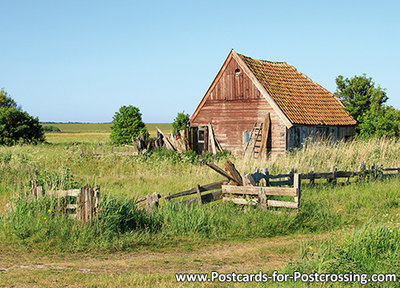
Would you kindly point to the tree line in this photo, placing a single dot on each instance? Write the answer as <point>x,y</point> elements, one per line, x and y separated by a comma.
<point>362,99</point>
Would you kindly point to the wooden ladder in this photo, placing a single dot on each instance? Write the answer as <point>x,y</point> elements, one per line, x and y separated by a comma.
<point>253,147</point>
<point>257,141</point>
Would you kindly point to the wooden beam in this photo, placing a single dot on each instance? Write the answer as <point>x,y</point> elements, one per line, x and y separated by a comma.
<point>64,193</point>
<point>198,194</point>
<point>205,198</point>
<point>211,139</point>
<point>166,139</point>
<point>233,172</point>
<point>220,171</point>
<point>204,188</point>
<point>254,190</point>
<point>265,135</point>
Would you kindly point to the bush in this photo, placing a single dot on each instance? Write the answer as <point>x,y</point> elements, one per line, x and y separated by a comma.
<point>127,124</point>
<point>49,128</point>
<point>17,126</point>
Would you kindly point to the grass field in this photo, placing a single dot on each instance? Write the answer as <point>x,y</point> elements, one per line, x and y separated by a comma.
<point>40,248</point>
<point>104,127</point>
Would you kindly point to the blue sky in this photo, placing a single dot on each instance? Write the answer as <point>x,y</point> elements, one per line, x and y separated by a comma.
<point>82,60</point>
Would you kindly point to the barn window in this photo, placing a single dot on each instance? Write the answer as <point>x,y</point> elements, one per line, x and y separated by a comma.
<point>246,137</point>
<point>237,72</point>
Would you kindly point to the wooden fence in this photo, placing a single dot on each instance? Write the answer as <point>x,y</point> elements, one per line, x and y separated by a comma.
<point>253,195</point>
<point>364,172</point>
<point>84,203</point>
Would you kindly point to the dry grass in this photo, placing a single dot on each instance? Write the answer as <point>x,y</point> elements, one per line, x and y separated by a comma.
<point>323,155</point>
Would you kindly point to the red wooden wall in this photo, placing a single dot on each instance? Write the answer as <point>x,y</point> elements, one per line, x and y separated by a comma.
<point>233,106</point>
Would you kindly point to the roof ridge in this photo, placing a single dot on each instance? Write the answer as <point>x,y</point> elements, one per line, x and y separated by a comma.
<point>262,60</point>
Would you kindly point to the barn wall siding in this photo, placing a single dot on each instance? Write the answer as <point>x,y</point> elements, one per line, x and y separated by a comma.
<point>233,106</point>
<point>297,134</point>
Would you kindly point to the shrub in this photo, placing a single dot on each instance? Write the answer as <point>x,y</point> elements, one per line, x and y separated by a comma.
<point>49,128</point>
<point>127,124</point>
<point>17,126</point>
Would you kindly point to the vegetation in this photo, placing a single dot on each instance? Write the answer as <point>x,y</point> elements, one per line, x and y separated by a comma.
<point>50,128</point>
<point>374,248</point>
<point>182,236</point>
<point>180,122</point>
<point>17,126</point>
<point>366,103</point>
<point>127,124</point>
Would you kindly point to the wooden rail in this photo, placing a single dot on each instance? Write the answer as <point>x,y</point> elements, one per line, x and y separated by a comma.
<point>258,195</point>
<point>373,171</point>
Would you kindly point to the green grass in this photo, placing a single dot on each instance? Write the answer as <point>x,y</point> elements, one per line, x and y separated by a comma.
<point>124,227</point>
<point>103,127</point>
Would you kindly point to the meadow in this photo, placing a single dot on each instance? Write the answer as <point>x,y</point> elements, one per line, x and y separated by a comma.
<point>130,248</point>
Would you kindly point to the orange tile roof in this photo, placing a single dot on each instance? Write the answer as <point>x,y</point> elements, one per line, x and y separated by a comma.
<point>299,98</point>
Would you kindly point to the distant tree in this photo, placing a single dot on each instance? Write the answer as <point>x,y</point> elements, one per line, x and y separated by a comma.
<point>359,95</point>
<point>50,128</point>
<point>17,126</point>
<point>127,123</point>
<point>180,122</point>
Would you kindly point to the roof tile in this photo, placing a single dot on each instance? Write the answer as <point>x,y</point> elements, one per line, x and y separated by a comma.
<point>302,100</point>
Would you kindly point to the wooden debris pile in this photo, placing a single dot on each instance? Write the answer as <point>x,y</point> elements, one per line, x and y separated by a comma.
<point>83,203</point>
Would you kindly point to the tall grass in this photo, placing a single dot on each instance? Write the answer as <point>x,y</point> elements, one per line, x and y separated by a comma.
<point>374,248</point>
<point>324,154</point>
<point>121,225</point>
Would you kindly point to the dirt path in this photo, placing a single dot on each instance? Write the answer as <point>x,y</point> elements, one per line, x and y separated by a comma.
<point>123,269</point>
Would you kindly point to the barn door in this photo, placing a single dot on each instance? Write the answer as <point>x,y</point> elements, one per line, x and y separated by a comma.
<point>202,139</point>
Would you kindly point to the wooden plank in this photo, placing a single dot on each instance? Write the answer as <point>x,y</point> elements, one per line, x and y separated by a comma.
<point>211,139</point>
<point>390,169</point>
<point>280,183</point>
<point>204,188</point>
<point>329,175</point>
<point>278,176</point>
<point>198,194</point>
<point>64,193</point>
<point>254,190</point>
<point>233,172</point>
<point>220,171</point>
<point>297,186</point>
<point>71,206</point>
<point>249,179</point>
<point>205,198</point>
<point>210,197</point>
<point>274,203</point>
<point>265,135</point>
<point>166,140</point>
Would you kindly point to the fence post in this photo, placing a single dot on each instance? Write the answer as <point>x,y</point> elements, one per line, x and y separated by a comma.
<point>312,179</point>
<point>151,202</point>
<point>266,173</point>
<point>297,186</point>
<point>198,194</point>
<point>262,199</point>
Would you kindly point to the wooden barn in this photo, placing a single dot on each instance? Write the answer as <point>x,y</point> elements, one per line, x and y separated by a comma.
<point>259,107</point>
